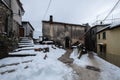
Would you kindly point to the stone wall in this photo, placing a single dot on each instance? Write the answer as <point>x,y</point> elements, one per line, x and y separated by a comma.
<point>5,19</point>
<point>112,58</point>
<point>7,41</point>
<point>65,34</point>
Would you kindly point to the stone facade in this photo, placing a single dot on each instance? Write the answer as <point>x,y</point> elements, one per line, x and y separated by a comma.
<point>28,29</point>
<point>18,11</point>
<point>9,25</point>
<point>5,29</point>
<point>63,33</point>
<point>11,12</point>
<point>5,19</point>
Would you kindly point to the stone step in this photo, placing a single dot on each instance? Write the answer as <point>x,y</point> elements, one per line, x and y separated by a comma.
<point>25,44</point>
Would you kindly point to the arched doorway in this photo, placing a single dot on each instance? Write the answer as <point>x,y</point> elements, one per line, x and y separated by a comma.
<point>67,42</point>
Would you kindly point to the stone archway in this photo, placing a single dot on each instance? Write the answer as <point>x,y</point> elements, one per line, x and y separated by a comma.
<point>67,42</point>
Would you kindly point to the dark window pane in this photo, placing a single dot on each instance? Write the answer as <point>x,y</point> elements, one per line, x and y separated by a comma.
<point>98,36</point>
<point>104,35</point>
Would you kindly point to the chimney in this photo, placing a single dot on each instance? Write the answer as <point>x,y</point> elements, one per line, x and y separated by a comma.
<point>51,18</point>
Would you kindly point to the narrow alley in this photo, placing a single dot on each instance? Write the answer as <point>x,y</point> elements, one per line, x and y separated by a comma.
<point>59,64</point>
<point>59,39</point>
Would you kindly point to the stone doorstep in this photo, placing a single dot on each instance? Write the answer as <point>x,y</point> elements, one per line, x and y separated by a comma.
<point>20,55</point>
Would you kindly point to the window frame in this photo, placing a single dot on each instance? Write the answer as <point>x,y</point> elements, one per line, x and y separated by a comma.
<point>104,35</point>
<point>98,36</point>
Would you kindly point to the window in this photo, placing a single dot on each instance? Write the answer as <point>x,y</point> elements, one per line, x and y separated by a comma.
<point>6,25</point>
<point>104,35</point>
<point>19,13</point>
<point>85,29</point>
<point>102,50</point>
<point>98,36</point>
<point>93,32</point>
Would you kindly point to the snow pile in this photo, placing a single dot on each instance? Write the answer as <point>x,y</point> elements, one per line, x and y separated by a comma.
<point>39,69</point>
<point>108,70</point>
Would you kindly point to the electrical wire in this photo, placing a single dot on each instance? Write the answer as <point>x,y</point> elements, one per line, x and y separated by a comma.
<point>47,9</point>
<point>111,10</point>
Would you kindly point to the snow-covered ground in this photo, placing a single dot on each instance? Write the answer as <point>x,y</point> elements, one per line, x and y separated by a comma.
<point>108,71</point>
<point>39,68</point>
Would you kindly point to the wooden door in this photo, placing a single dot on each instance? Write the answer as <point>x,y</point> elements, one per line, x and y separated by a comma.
<point>21,32</point>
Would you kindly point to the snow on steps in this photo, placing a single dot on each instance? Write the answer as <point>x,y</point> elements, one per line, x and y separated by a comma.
<point>26,42</point>
<point>14,68</point>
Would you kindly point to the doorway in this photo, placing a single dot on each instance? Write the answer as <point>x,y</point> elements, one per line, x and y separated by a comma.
<point>21,32</point>
<point>67,42</point>
<point>102,51</point>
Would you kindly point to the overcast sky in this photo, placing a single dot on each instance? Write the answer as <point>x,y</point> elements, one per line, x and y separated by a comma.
<point>69,11</point>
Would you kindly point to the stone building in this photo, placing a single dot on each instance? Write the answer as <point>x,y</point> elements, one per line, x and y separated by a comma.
<point>18,11</point>
<point>26,30</point>
<point>65,34</point>
<point>5,17</point>
<point>11,12</point>
<point>5,27</point>
<point>91,37</point>
<point>108,44</point>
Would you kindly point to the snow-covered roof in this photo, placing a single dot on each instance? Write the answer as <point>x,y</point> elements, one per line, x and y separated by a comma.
<point>27,22</point>
<point>115,24</point>
<point>111,26</point>
<point>103,29</point>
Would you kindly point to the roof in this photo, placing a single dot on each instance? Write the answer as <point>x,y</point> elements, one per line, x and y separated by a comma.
<point>105,28</point>
<point>64,23</point>
<point>111,26</point>
<point>27,22</point>
<point>100,25</point>
<point>114,25</point>
<point>4,3</point>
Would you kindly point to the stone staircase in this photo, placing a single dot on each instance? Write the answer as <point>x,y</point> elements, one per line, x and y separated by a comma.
<point>25,42</point>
